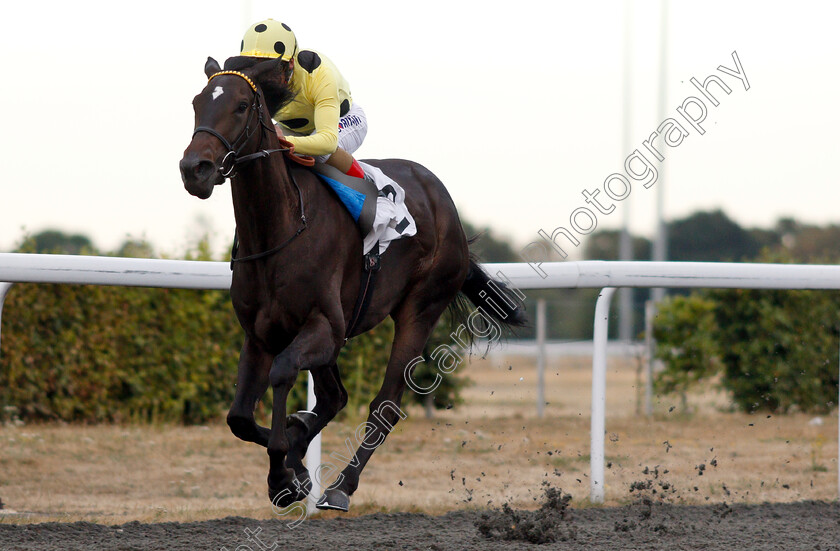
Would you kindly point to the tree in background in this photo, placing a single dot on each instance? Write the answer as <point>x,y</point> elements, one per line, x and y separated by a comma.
<point>807,243</point>
<point>685,333</point>
<point>710,237</point>
<point>138,248</point>
<point>604,245</point>
<point>57,242</point>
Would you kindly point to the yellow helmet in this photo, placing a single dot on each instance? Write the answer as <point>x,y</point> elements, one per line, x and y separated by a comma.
<point>271,39</point>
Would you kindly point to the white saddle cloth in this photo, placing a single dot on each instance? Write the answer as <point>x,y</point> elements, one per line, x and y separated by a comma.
<point>392,220</point>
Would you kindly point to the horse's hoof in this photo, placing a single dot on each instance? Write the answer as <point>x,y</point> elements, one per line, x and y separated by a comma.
<point>304,419</point>
<point>334,499</point>
<point>286,496</point>
<point>303,484</point>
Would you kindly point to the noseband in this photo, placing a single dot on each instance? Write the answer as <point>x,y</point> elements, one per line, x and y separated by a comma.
<point>232,159</point>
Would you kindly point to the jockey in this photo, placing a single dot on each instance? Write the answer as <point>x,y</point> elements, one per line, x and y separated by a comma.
<point>323,120</point>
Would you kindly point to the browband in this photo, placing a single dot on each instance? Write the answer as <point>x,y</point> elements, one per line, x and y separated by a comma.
<point>237,73</point>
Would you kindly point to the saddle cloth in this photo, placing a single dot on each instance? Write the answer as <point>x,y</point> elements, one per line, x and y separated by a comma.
<point>377,204</point>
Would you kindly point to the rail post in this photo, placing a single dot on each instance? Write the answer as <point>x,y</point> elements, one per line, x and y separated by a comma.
<point>541,360</point>
<point>650,352</point>
<point>313,453</point>
<point>4,288</point>
<point>599,394</point>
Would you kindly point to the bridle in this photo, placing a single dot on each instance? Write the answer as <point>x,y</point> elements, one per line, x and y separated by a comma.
<point>232,159</point>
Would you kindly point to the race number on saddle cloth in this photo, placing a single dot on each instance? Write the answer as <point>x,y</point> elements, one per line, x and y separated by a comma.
<point>376,203</point>
<point>392,220</point>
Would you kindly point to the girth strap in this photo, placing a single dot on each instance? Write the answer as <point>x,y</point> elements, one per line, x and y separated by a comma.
<point>371,267</point>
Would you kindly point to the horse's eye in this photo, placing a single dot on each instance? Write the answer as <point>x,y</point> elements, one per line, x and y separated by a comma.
<point>243,106</point>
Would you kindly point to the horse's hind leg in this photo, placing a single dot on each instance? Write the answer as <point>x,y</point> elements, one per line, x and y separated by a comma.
<point>251,384</point>
<point>412,330</point>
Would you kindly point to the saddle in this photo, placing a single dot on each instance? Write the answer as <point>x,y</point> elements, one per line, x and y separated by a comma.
<point>358,195</point>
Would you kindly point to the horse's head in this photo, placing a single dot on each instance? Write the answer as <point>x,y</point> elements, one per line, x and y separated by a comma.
<point>230,121</point>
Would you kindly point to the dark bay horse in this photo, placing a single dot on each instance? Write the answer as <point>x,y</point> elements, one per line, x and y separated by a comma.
<point>295,287</point>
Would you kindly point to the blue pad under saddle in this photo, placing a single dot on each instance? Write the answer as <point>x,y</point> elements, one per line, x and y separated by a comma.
<point>358,195</point>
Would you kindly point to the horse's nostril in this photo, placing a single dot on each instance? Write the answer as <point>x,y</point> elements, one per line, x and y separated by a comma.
<point>196,169</point>
<point>204,169</point>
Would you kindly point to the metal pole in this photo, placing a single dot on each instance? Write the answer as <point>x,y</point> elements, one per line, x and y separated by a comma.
<point>650,312</point>
<point>625,248</point>
<point>599,394</point>
<point>313,453</point>
<point>541,322</point>
<point>660,245</point>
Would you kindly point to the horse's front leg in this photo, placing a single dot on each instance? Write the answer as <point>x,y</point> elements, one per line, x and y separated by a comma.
<point>313,346</point>
<point>251,383</point>
<point>302,427</point>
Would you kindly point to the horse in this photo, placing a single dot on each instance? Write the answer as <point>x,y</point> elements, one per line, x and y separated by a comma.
<point>298,276</point>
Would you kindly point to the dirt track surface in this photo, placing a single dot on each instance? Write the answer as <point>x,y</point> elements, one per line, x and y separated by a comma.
<point>792,526</point>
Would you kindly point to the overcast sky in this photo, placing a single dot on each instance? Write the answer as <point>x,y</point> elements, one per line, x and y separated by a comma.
<point>517,108</point>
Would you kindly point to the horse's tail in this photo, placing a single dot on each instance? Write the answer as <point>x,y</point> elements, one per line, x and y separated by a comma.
<point>499,308</point>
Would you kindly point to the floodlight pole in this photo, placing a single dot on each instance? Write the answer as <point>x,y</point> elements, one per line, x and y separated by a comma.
<point>660,245</point>
<point>625,244</point>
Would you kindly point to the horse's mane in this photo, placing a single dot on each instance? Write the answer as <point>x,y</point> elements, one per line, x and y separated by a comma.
<point>276,94</point>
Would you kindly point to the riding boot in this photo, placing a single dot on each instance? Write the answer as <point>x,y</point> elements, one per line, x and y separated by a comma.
<point>345,162</point>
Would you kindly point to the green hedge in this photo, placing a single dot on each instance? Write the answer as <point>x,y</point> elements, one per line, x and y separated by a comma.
<point>87,353</point>
<point>773,350</point>
<point>92,354</point>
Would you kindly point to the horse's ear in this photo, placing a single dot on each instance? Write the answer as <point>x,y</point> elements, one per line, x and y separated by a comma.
<point>211,67</point>
<point>264,69</point>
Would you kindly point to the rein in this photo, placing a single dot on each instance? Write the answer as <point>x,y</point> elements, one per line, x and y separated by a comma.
<point>232,159</point>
